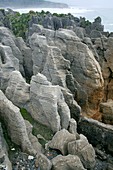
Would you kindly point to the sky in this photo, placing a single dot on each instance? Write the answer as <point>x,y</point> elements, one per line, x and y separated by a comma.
<point>88,3</point>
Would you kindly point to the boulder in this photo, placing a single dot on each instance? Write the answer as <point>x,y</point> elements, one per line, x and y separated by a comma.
<point>83,150</point>
<point>60,141</point>
<point>67,162</point>
<point>47,104</point>
<point>15,124</point>
<point>18,91</point>
<point>44,163</point>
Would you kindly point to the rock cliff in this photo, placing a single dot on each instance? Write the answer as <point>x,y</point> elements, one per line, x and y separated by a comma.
<point>48,84</point>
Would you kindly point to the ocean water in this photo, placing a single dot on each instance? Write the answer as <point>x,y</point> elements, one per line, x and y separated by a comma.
<point>105,13</point>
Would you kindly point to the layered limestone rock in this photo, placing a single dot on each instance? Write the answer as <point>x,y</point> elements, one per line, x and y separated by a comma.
<point>15,124</point>
<point>27,57</point>
<point>60,141</point>
<point>8,63</point>
<point>84,151</point>
<point>8,39</point>
<point>39,97</point>
<point>47,104</point>
<point>4,160</point>
<point>48,60</point>
<point>107,69</point>
<point>74,144</point>
<point>18,91</point>
<point>86,70</point>
<point>84,67</point>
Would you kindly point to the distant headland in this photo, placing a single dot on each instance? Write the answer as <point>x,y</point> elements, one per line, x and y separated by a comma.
<point>29,3</point>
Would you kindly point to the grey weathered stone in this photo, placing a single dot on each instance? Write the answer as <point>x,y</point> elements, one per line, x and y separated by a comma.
<point>18,91</point>
<point>8,39</point>
<point>89,43</point>
<point>67,162</point>
<point>44,163</point>
<point>27,57</point>
<point>48,60</point>
<point>80,32</point>
<point>75,109</point>
<point>15,124</point>
<point>47,104</point>
<point>4,160</point>
<point>96,25</point>
<point>73,126</point>
<point>84,67</point>
<point>84,151</point>
<point>60,141</point>
<point>8,63</point>
<point>95,34</point>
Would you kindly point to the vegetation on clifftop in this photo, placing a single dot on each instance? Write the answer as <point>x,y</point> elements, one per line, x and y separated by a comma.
<point>19,23</point>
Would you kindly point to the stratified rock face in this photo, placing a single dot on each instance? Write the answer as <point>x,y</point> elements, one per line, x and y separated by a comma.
<point>15,124</point>
<point>4,160</point>
<point>18,90</point>
<point>47,104</point>
<point>108,69</point>
<point>84,151</point>
<point>74,144</point>
<point>84,67</point>
<point>27,56</point>
<point>8,39</point>
<point>48,60</point>
<point>67,162</point>
<point>8,63</point>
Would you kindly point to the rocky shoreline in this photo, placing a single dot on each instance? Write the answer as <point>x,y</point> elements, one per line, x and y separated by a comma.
<point>56,99</point>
